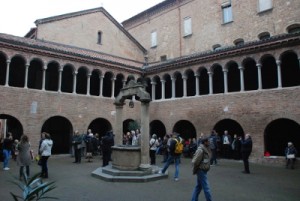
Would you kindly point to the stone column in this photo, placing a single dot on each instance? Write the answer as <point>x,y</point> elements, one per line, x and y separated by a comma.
<point>279,80</point>
<point>88,84</point>
<point>44,78</point>
<point>145,160</point>
<point>184,78</point>
<point>60,70</point>
<point>242,78</point>
<point>259,76</point>
<point>153,90</point>
<point>101,86</point>
<point>7,72</point>
<point>119,125</point>
<point>173,87</point>
<point>210,74</point>
<point>225,74</point>
<point>26,76</point>
<point>124,83</point>
<point>113,87</point>
<point>74,81</point>
<point>197,84</point>
<point>163,89</point>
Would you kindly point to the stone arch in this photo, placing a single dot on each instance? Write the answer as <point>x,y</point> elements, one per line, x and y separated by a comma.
<point>290,70</point>
<point>157,83</point>
<point>61,131</point>
<point>218,78</point>
<point>147,83</point>
<point>67,78</point>
<point>233,76</point>
<point>203,81</point>
<point>119,83</point>
<point>190,82</point>
<point>157,127</point>
<point>95,82</point>
<point>250,74</point>
<point>178,84</point>
<point>3,68</point>
<point>186,129</point>
<point>268,72</point>
<point>278,133</point>
<point>100,126</point>
<point>52,76</point>
<point>107,84</point>
<point>35,74</point>
<point>17,71</point>
<point>13,125</point>
<point>168,85</point>
<point>126,125</point>
<point>81,81</point>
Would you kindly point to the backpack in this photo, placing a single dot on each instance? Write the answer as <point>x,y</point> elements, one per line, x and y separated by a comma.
<point>178,146</point>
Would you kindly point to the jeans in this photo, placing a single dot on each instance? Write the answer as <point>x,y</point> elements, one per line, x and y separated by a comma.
<point>202,182</point>
<point>6,156</point>
<point>22,173</point>
<point>169,161</point>
<point>44,164</point>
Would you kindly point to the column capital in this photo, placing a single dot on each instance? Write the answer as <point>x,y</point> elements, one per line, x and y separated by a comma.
<point>184,77</point>
<point>60,69</point>
<point>258,65</point>
<point>101,76</point>
<point>241,67</point>
<point>44,67</point>
<point>89,74</point>
<point>197,75</point>
<point>163,81</point>
<point>8,61</point>
<point>153,83</point>
<point>75,72</point>
<point>210,73</point>
<point>278,62</point>
<point>225,70</point>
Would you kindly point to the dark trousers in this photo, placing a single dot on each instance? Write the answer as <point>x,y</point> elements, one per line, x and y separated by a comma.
<point>105,157</point>
<point>226,150</point>
<point>77,155</point>
<point>290,161</point>
<point>245,157</point>
<point>213,156</point>
<point>44,164</point>
<point>152,157</point>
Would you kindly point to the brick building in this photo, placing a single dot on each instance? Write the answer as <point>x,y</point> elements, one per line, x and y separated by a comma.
<point>223,65</point>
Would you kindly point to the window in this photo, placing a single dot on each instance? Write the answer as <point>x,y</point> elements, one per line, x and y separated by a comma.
<point>153,39</point>
<point>216,47</point>
<point>99,39</point>
<point>264,35</point>
<point>294,28</point>
<point>163,58</point>
<point>238,42</point>
<point>187,26</point>
<point>227,12</point>
<point>264,5</point>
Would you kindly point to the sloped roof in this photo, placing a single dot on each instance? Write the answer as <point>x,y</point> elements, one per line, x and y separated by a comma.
<point>90,11</point>
<point>67,50</point>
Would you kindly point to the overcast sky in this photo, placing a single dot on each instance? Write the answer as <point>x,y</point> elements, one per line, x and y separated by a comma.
<point>18,16</point>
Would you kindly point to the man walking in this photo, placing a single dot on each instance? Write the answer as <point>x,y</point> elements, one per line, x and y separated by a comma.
<point>201,165</point>
<point>173,155</point>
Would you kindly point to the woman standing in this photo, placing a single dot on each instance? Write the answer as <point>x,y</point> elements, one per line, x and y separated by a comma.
<point>24,156</point>
<point>45,151</point>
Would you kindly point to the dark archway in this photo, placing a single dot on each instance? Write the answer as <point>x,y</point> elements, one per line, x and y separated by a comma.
<point>233,77</point>
<point>35,74</point>
<point>230,125</point>
<point>186,129</point>
<point>126,125</point>
<point>107,84</point>
<point>168,86</point>
<point>95,83</point>
<point>61,131</point>
<point>52,76</point>
<point>178,84</point>
<point>250,74</point>
<point>82,77</point>
<point>203,82</point>
<point>158,128</point>
<point>269,72</point>
<point>67,79</point>
<point>3,66</point>
<point>13,125</point>
<point>100,126</point>
<point>290,71</point>
<point>278,133</point>
<point>17,72</point>
<point>190,83</point>
<point>218,79</point>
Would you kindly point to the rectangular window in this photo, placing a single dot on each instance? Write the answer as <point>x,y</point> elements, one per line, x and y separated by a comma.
<point>187,26</point>
<point>153,39</point>
<point>264,5</point>
<point>163,58</point>
<point>227,12</point>
<point>99,40</point>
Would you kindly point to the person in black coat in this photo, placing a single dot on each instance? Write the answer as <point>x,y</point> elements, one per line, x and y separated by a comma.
<point>246,149</point>
<point>107,143</point>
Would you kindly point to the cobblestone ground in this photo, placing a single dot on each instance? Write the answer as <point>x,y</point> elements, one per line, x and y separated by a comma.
<point>75,183</point>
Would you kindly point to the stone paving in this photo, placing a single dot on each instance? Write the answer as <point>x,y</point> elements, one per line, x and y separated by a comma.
<point>75,183</point>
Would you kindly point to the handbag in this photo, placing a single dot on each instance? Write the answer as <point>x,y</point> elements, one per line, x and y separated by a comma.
<point>290,156</point>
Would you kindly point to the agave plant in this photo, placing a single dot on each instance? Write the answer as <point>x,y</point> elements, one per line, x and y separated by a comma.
<point>34,189</point>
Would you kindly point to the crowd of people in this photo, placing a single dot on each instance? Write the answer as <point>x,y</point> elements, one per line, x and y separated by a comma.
<point>204,152</point>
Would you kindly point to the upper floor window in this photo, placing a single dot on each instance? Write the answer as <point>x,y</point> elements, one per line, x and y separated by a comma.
<point>99,39</point>
<point>154,39</point>
<point>264,5</point>
<point>216,47</point>
<point>227,12</point>
<point>294,28</point>
<point>163,58</point>
<point>187,26</point>
<point>264,35</point>
<point>238,41</point>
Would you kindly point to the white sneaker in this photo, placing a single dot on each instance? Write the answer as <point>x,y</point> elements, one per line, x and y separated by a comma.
<point>176,179</point>
<point>160,172</point>
<point>6,168</point>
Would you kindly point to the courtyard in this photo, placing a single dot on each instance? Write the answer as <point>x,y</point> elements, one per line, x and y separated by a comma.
<point>74,182</point>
